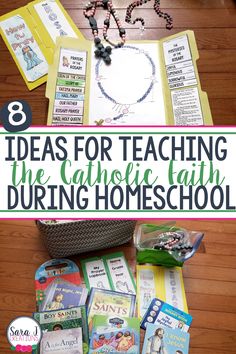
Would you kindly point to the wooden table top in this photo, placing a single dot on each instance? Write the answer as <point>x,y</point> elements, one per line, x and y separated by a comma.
<point>214,24</point>
<point>209,278</point>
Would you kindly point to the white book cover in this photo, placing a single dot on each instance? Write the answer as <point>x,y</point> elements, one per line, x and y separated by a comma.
<point>62,342</point>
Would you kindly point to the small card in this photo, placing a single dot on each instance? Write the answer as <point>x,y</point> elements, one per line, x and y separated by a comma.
<point>95,274</point>
<point>159,312</point>
<point>57,24</point>
<point>70,88</point>
<point>119,273</point>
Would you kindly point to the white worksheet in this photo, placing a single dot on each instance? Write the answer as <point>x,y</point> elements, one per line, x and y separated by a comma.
<point>129,91</point>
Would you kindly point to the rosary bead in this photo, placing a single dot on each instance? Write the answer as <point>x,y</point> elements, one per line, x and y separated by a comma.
<point>105,3</point>
<point>104,54</point>
<point>122,31</point>
<point>100,46</point>
<point>89,12</point>
<point>108,49</point>
<point>97,53</point>
<point>156,7</point>
<point>97,40</point>
<point>107,23</point>
<point>107,60</point>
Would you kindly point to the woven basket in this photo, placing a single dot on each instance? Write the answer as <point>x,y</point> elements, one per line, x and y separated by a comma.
<point>70,238</point>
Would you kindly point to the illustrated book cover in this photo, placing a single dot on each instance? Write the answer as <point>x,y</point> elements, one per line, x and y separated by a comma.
<point>63,295</point>
<point>51,273</point>
<point>110,303</point>
<point>159,312</point>
<point>75,317</point>
<point>68,341</point>
<point>115,334</point>
<point>161,339</point>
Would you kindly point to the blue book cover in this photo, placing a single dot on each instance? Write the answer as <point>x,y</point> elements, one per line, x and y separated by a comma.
<point>159,312</point>
<point>115,334</point>
<point>62,295</point>
<point>163,340</point>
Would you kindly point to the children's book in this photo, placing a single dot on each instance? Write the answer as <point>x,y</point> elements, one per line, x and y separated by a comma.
<point>164,340</point>
<point>63,295</point>
<point>115,334</point>
<point>30,34</point>
<point>159,312</point>
<point>52,273</point>
<point>83,89</point>
<point>110,303</point>
<point>75,317</point>
<point>68,341</point>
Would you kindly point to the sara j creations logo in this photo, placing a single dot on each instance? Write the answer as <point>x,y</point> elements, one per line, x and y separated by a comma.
<point>24,334</point>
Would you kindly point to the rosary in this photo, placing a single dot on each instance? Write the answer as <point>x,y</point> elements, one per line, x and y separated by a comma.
<point>173,241</point>
<point>130,8</point>
<point>90,11</point>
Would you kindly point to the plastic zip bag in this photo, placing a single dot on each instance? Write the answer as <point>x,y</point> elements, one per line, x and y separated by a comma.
<point>166,244</point>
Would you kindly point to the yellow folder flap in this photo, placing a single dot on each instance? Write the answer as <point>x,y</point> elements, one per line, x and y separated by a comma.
<point>20,37</point>
<point>30,35</point>
<point>68,83</point>
<point>159,282</point>
<point>52,13</point>
<point>181,80</point>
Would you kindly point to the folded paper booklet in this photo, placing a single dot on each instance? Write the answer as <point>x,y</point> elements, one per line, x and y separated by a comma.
<point>147,83</point>
<point>109,272</point>
<point>164,283</point>
<point>30,34</point>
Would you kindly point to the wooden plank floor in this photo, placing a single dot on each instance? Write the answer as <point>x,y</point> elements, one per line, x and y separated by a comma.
<point>214,23</point>
<point>209,277</point>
